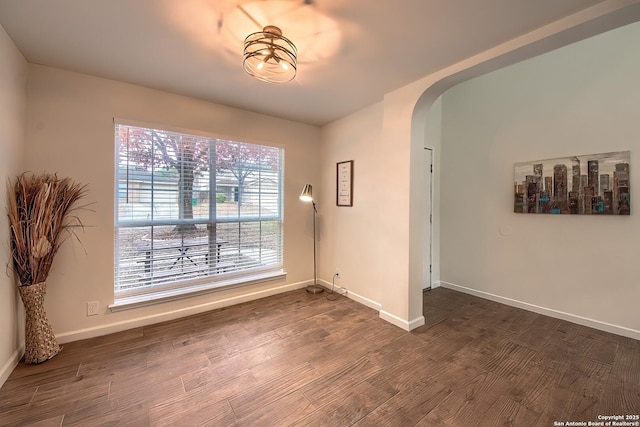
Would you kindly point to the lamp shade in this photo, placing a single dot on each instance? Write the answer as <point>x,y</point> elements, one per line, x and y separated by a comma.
<point>269,56</point>
<point>307,193</point>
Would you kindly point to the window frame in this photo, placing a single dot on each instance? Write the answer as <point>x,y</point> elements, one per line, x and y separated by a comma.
<point>151,292</point>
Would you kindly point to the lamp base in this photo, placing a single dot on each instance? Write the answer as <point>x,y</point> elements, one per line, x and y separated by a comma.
<point>315,289</point>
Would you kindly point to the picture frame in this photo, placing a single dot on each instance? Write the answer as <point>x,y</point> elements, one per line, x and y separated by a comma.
<point>344,183</point>
<point>593,184</point>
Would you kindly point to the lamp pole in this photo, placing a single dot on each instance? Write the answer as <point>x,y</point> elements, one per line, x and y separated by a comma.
<point>314,289</point>
<point>307,196</point>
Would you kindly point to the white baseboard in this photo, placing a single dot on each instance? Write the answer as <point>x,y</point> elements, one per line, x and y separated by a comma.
<point>9,366</point>
<point>364,301</point>
<point>401,323</point>
<point>416,323</point>
<point>391,318</point>
<point>354,296</point>
<point>585,321</point>
<point>97,331</point>
<point>436,284</point>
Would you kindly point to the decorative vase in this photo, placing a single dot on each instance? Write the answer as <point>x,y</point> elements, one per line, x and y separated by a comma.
<point>40,342</point>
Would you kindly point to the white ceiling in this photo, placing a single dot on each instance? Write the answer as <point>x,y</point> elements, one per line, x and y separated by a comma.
<point>352,52</point>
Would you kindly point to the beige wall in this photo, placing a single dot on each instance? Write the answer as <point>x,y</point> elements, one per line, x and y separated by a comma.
<point>348,234</point>
<point>13,80</point>
<point>70,132</point>
<point>356,240</point>
<point>581,99</point>
<point>406,127</point>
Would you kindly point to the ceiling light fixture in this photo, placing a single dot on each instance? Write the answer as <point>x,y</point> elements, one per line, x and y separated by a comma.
<point>269,56</point>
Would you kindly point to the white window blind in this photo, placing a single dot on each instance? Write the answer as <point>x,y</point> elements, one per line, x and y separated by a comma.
<point>192,209</point>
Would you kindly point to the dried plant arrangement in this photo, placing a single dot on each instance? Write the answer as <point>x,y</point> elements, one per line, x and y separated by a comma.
<point>41,216</point>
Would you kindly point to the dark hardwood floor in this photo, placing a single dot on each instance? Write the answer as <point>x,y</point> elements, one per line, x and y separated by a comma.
<point>299,359</point>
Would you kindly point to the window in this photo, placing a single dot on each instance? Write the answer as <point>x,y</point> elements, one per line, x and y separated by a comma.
<point>193,212</point>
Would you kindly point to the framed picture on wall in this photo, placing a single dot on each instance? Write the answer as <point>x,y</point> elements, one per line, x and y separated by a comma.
<point>594,184</point>
<point>344,183</point>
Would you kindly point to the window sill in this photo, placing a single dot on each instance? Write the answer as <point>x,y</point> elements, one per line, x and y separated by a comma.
<point>137,301</point>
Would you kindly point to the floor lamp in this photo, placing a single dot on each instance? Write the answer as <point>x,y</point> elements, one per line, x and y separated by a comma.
<point>307,196</point>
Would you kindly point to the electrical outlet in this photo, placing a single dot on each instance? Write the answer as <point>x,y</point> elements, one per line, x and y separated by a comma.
<point>92,308</point>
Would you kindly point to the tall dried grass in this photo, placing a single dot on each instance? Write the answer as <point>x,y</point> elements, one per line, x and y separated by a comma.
<point>41,216</point>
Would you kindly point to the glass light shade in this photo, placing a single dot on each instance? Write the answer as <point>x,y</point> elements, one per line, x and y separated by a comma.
<point>307,193</point>
<point>269,56</point>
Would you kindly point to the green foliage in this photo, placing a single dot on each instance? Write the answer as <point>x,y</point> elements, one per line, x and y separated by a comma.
<point>221,198</point>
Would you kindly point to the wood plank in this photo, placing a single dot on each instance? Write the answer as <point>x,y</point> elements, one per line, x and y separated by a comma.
<point>49,422</point>
<point>313,334</point>
<point>278,366</point>
<point>37,378</point>
<point>537,336</point>
<point>223,369</point>
<point>108,413</point>
<point>145,387</point>
<point>224,389</point>
<point>58,398</point>
<point>452,375</point>
<point>509,360</point>
<point>620,397</point>
<point>468,405</point>
<point>282,412</point>
<point>346,409</point>
<point>191,410</point>
<point>585,376</point>
<point>532,388</point>
<point>408,406</point>
<point>332,385</point>
<point>271,391</point>
<point>506,412</point>
<point>565,405</point>
<point>626,364</point>
<point>175,363</point>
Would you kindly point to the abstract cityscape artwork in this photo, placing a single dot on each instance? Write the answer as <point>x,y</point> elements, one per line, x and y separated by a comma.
<point>595,184</point>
